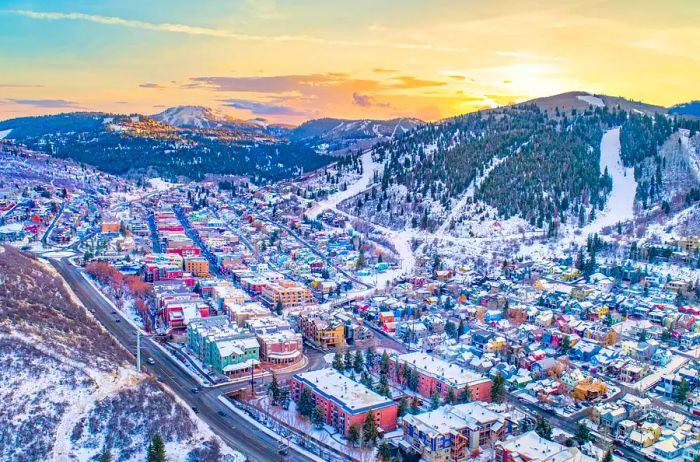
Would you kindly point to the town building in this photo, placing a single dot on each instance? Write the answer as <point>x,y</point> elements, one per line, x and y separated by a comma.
<point>438,376</point>
<point>451,433</point>
<point>343,401</point>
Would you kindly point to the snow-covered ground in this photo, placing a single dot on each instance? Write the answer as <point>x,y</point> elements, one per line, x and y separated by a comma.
<point>458,209</point>
<point>4,133</point>
<point>620,205</point>
<point>331,202</point>
<point>160,184</point>
<point>592,100</point>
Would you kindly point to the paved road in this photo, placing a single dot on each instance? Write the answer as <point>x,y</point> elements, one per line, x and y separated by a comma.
<point>194,235</point>
<point>51,226</point>
<point>234,430</point>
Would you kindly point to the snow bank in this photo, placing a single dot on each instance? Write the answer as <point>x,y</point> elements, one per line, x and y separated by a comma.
<point>4,133</point>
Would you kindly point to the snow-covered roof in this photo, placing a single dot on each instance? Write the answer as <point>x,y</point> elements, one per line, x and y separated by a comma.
<point>352,395</point>
<point>452,374</point>
<point>448,419</point>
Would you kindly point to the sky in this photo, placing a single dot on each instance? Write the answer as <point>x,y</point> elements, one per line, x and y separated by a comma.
<point>294,60</point>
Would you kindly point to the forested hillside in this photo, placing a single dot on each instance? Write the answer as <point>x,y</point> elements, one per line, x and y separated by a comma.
<point>141,145</point>
<point>528,163</point>
<point>539,164</point>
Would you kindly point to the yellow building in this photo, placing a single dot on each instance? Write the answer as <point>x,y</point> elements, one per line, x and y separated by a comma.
<point>227,294</point>
<point>198,266</point>
<point>290,293</point>
<point>589,389</point>
<point>323,332</point>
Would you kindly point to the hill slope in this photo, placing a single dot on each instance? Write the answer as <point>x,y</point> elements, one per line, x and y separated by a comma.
<point>342,135</point>
<point>690,109</point>
<point>61,372</point>
<point>135,144</point>
<point>531,166</point>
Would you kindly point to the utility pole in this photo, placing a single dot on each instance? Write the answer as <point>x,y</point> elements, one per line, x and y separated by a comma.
<point>138,350</point>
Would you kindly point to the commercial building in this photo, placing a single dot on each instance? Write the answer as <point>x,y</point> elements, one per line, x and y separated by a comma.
<point>438,376</point>
<point>344,402</point>
<point>450,433</point>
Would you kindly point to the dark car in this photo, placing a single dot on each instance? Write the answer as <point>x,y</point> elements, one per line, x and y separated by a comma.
<point>117,320</point>
<point>194,390</point>
<point>195,409</point>
<point>221,413</point>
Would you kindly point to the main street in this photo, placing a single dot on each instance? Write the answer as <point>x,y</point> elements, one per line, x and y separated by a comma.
<point>233,429</point>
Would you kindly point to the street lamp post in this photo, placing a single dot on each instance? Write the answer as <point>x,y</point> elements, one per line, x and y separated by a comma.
<point>138,350</point>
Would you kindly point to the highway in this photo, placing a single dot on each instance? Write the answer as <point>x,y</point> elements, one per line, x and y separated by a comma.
<point>237,432</point>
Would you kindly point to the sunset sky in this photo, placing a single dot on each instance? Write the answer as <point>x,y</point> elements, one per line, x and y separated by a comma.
<point>292,60</point>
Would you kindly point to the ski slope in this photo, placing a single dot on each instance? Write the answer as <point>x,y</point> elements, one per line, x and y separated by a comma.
<point>354,189</point>
<point>620,204</point>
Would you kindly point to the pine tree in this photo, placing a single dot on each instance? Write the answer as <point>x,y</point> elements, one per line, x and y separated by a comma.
<point>403,405</point>
<point>565,344</point>
<point>607,457</point>
<point>357,362</point>
<point>275,390</point>
<point>305,406</point>
<point>415,405</point>
<point>435,400</point>
<point>384,363</point>
<point>348,360</point>
<point>583,435</point>
<point>498,389</point>
<point>543,428</point>
<point>156,449</point>
<point>361,261</point>
<point>338,363</point>
<point>369,357</point>
<point>353,434</point>
<point>317,417</point>
<point>413,383</point>
<point>451,398</point>
<point>461,329</point>
<point>106,456</point>
<point>369,428</point>
<point>450,329</point>
<point>680,394</point>
<point>384,452</point>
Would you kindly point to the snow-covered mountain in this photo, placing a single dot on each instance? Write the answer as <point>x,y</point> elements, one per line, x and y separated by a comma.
<point>339,136</point>
<point>333,129</point>
<point>581,100</point>
<point>204,118</point>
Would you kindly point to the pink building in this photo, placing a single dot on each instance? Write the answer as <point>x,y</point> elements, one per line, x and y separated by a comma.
<point>281,348</point>
<point>345,402</point>
<point>438,376</point>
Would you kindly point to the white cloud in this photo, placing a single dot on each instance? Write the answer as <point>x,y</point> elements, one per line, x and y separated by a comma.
<point>224,33</point>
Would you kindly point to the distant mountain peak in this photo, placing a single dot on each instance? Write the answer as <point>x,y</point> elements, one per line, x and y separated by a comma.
<point>582,100</point>
<point>691,108</point>
<point>193,117</point>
